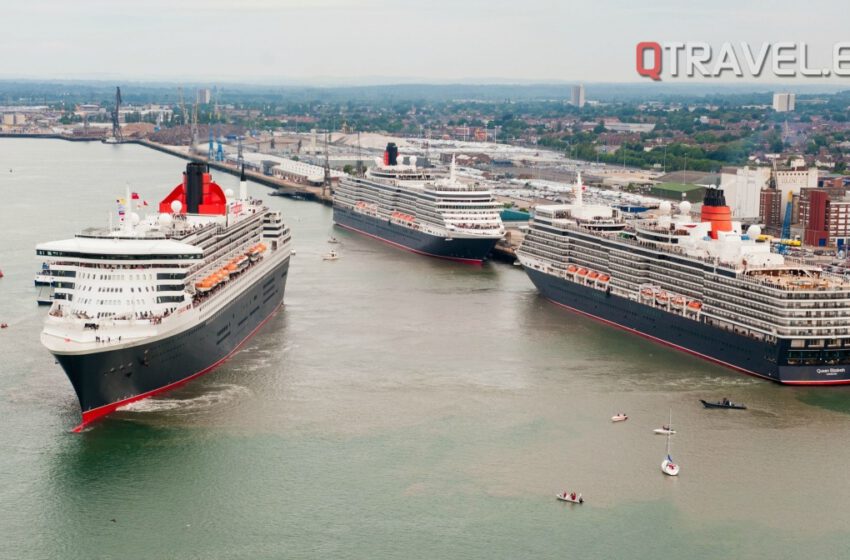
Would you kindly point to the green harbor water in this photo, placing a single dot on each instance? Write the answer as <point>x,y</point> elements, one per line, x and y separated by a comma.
<point>397,407</point>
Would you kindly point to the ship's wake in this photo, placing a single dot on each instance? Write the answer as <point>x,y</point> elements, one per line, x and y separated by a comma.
<point>213,397</point>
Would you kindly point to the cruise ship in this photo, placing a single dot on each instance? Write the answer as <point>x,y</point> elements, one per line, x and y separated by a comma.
<point>417,210</point>
<point>704,287</point>
<point>157,301</point>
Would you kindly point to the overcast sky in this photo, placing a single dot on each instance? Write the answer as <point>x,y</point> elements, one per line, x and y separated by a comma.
<point>384,41</point>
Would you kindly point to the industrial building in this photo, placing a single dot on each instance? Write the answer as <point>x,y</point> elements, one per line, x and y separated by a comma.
<point>678,191</point>
<point>288,169</point>
<point>770,210</point>
<point>826,219</point>
<point>742,187</point>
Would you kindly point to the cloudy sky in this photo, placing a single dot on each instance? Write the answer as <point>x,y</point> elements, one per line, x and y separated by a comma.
<point>384,41</point>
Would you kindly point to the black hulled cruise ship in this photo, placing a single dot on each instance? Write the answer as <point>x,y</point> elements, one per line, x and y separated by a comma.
<point>411,208</point>
<point>147,306</point>
<point>703,287</point>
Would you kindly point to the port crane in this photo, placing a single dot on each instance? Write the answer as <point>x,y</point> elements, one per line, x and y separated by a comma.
<point>785,235</point>
<point>116,126</point>
<point>185,118</point>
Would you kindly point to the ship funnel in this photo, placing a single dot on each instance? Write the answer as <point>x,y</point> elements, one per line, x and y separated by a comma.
<point>391,154</point>
<point>715,211</point>
<point>194,186</point>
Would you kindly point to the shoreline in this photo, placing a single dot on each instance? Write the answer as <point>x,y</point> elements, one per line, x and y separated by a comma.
<point>501,252</point>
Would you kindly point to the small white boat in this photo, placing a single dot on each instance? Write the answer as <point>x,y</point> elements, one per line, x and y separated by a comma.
<point>664,431</point>
<point>619,418</point>
<point>333,240</point>
<point>332,256</point>
<point>573,498</point>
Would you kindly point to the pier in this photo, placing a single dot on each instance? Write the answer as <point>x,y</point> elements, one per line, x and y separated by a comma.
<point>282,187</point>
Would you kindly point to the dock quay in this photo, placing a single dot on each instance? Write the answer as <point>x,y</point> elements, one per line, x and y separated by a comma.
<point>282,187</point>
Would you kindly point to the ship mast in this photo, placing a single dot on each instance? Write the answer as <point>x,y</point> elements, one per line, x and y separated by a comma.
<point>578,190</point>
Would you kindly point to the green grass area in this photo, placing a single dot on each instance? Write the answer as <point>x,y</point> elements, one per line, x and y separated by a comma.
<point>676,187</point>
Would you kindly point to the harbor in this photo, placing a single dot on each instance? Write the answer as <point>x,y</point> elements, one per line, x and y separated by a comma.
<point>361,423</point>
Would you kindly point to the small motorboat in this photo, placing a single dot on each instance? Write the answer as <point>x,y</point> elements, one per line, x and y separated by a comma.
<point>332,256</point>
<point>571,497</point>
<point>4,325</point>
<point>664,431</point>
<point>333,240</point>
<point>619,418</point>
<point>724,403</point>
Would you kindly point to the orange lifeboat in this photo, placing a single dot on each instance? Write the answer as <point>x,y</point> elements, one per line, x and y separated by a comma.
<point>694,305</point>
<point>593,275</point>
<point>679,301</point>
<point>604,278</point>
<point>572,268</point>
<point>646,292</point>
<point>582,272</point>
<point>661,297</point>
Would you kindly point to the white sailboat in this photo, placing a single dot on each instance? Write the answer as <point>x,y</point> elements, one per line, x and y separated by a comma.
<point>668,467</point>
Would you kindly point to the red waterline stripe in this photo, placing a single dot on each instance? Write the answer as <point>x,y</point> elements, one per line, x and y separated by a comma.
<point>91,415</point>
<point>703,356</point>
<point>400,246</point>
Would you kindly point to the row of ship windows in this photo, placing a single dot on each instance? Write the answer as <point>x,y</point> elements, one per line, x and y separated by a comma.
<point>788,296</point>
<point>132,276</point>
<point>784,320</point>
<point>779,310</point>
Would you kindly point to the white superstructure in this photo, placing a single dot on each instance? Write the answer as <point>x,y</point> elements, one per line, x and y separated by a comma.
<point>157,275</point>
